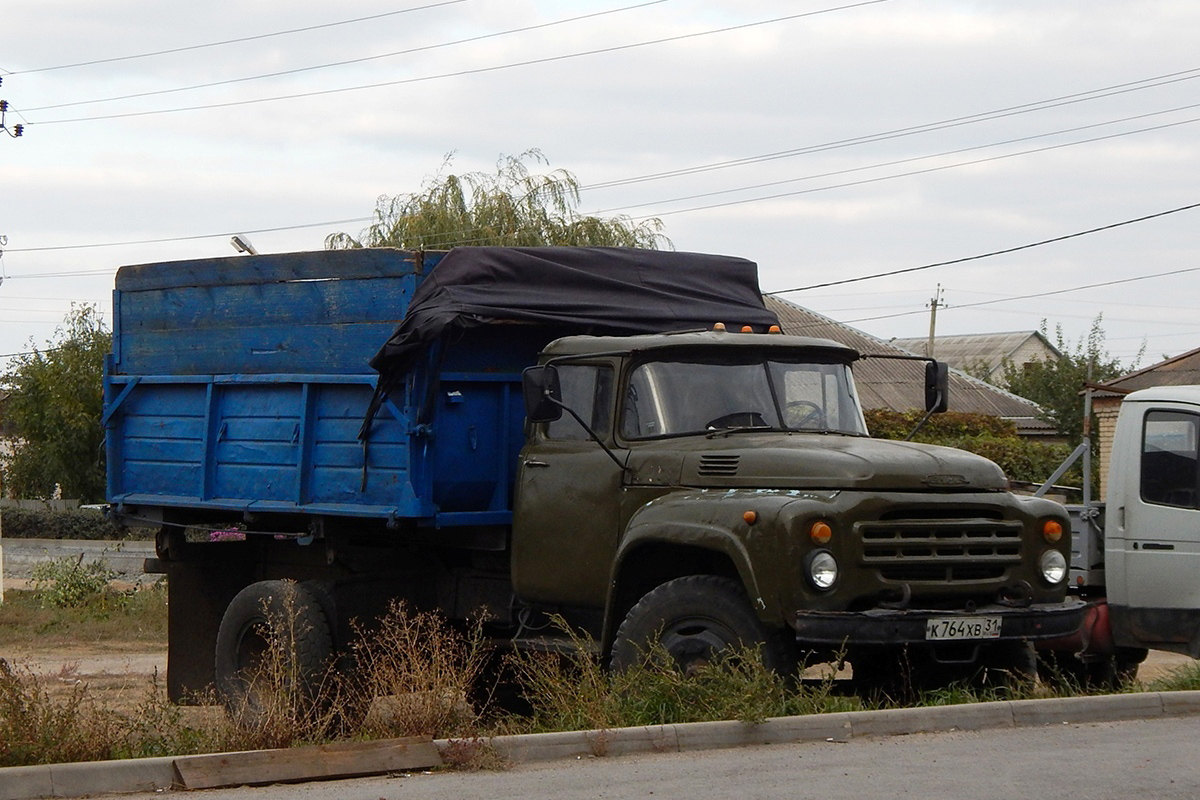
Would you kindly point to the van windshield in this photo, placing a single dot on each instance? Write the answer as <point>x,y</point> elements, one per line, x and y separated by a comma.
<point>685,396</point>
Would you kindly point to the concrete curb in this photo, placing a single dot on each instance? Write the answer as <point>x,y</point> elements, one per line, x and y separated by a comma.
<point>150,774</point>
<point>845,726</point>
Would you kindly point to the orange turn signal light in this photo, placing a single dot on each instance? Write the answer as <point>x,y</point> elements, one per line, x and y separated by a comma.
<point>751,517</point>
<point>1052,530</point>
<point>820,532</point>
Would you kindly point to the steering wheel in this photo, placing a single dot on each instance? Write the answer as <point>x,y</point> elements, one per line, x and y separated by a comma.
<point>799,413</point>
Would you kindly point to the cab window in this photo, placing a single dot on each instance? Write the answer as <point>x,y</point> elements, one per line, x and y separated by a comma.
<point>1170,459</point>
<point>587,390</point>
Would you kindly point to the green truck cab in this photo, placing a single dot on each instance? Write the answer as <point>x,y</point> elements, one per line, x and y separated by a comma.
<point>711,488</point>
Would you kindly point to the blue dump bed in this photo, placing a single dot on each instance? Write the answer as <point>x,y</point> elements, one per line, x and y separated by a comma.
<point>240,384</point>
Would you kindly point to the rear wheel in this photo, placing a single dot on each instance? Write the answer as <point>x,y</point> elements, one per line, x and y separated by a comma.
<point>274,644</point>
<point>694,620</point>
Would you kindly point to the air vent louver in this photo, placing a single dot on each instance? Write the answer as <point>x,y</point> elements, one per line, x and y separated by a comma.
<point>719,464</point>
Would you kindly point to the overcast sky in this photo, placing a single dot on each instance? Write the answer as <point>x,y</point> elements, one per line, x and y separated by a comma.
<point>1004,123</point>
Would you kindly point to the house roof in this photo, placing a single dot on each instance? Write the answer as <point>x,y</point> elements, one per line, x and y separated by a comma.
<point>965,350</point>
<point>1181,370</point>
<point>899,385</point>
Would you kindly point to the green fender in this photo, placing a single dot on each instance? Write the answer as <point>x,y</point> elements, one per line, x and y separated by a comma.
<point>713,521</point>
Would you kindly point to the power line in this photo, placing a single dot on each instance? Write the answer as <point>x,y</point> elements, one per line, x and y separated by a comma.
<point>238,40</point>
<point>347,62</point>
<point>953,122</point>
<point>867,181</point>
<point>174,239</point>
<point>1003,252</point>
<point>1044,294</point>
<point>913,159</point>
<point>361,220</point>
<point>464,72</point>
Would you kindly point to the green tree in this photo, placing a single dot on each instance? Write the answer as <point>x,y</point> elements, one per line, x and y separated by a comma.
<point>1056,385</point>
<point>513,207</point>
<point>54,409</point>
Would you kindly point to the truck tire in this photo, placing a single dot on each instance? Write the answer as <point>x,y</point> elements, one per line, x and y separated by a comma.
<point>694,619</point>
<point>284,613</point>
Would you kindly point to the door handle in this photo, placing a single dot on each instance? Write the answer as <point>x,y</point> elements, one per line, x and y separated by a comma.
<point>529,462</point>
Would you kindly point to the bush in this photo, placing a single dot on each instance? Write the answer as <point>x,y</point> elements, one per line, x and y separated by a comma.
<point>23,523</point>
<point>885,424</point>
<point>38,729</point>
<point>69,583</point>
<point>991,437</point>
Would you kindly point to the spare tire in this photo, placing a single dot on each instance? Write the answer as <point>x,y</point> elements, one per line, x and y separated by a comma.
<point>274,644</point>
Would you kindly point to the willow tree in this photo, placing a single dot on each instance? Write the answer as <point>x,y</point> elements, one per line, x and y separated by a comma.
<point>513,207</point>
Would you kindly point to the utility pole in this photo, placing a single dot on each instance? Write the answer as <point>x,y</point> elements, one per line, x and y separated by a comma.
<point>15,130</point>
<point>933,307</point>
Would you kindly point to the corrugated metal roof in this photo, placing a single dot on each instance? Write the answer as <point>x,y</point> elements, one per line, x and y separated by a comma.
<point>1181,370</point>
<point>899,385</point>
<point>966,350</point>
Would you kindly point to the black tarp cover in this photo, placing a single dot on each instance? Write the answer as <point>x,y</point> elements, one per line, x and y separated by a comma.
<point>597,290</point>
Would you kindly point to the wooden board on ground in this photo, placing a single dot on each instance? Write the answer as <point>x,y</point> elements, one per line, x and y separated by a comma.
<point>338,760</point>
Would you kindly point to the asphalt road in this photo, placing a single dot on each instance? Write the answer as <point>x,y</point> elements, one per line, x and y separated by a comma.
<point>1144,759</point>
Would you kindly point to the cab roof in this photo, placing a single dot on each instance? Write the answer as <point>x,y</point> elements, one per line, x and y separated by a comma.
<point>706,340</point>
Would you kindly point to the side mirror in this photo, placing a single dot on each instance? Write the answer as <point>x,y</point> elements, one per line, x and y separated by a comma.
<point>542,393</point>
<point>937,386</point>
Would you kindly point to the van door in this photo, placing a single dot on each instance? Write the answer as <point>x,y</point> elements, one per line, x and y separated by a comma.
<point>1154,572</point>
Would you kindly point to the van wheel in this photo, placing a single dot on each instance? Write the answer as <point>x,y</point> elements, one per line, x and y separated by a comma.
<point>693,620</point>
<point>273,647</point>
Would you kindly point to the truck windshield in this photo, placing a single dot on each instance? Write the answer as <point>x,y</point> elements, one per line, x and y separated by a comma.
<point>680,397</point>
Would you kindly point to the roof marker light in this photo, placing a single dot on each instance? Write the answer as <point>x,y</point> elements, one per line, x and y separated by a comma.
<point>719,326</point>
<point>774,329</point>
<point>747,329</point>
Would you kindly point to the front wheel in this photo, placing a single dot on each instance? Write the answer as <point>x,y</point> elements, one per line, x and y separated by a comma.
<point>694,620</point>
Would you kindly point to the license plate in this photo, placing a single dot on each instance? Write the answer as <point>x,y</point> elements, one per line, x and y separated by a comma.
<point>963,628</point>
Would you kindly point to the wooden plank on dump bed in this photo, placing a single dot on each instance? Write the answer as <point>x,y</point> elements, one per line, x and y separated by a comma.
<point>338,760</point>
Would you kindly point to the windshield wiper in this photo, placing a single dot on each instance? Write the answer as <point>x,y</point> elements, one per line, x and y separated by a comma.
<point>745,429</point>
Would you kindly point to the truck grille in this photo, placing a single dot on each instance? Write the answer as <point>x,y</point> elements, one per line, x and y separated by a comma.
<point>941,550</point>
<point>720,464</point>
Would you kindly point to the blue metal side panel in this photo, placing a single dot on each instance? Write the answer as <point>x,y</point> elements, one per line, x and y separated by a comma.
<point>161,430</point>
<point>315,313</point>
<point>259,444</point>
<point>337,463</point>
<point>240,383</point>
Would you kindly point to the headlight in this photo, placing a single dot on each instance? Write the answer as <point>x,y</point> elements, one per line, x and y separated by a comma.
<point>822,569</point>
<point>1054,566</point>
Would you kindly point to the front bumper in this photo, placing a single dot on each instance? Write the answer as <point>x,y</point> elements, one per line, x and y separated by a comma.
<point>886,626</point>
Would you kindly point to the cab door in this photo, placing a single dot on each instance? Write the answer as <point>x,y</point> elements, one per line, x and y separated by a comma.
<point>1153,534</point>
<point>566,512</point>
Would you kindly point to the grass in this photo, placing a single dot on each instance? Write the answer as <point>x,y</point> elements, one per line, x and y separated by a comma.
<point>1185,678</point>
<point>415,674</point>
<point>139,617</point>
